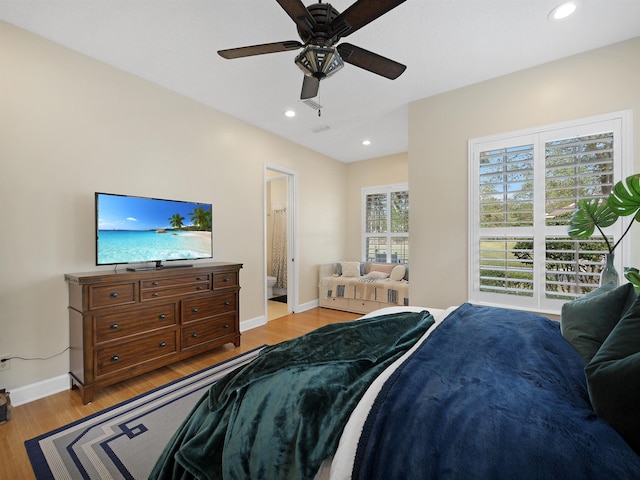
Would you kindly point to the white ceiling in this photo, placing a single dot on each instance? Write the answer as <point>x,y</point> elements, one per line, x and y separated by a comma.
<point>446,44</point>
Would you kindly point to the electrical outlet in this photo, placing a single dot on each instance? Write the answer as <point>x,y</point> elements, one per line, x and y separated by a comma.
<point>6,365</point>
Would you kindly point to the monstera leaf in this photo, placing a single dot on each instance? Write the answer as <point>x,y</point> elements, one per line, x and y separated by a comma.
<point>592,213</point>
<point>625,198</point>
<point>633,275</point>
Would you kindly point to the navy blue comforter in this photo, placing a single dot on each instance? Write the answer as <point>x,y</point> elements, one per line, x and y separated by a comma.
<point>491,394</point>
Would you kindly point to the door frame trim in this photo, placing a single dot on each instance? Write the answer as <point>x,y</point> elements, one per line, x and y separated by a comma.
<point>292,238</point>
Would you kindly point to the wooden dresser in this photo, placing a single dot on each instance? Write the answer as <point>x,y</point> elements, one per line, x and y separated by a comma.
<point>122,324</point>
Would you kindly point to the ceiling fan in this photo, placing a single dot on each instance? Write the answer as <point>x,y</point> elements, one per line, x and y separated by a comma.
<point>320,27</point>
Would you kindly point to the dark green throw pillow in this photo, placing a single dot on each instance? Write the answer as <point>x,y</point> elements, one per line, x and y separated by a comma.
<point>613,378</point>
<point>587,321</point>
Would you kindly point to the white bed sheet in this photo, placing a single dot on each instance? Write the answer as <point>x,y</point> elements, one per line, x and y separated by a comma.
<point>341,465</point>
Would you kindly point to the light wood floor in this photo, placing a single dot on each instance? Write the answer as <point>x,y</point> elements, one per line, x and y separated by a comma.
<point>276,310</point>
<point>38,417</point>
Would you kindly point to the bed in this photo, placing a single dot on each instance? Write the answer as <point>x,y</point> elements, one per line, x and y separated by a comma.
<point>470,392</point>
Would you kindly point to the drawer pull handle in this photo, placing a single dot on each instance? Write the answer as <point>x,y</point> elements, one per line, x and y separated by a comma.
<point>114,326</point>
<point>194,309</point>
<point>199,279</point>
<point>225,279</point>
<point>162,316</point>
<point>199,288</point>
<point>115,358</point>
<point>156,294</point>
<point>162,344</point>
<point>227,303</point>
<point>226,325</point>
<point>194,335</point>
<point>155,284</point>
<point>114,294</point>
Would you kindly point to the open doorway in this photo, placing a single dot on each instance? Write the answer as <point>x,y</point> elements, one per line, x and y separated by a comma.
<point>280,242</point>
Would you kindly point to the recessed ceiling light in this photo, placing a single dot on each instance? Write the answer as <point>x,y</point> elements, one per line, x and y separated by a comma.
<point>290,113</point>
<point>366,142</point>
<point>563,11</point>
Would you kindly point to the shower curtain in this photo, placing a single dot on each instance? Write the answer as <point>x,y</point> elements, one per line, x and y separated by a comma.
<point>279,248</point>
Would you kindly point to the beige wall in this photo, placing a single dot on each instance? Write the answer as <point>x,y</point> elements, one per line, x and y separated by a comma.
<point>369,173</point>
<point>70,126</point>
<point>596,82</point>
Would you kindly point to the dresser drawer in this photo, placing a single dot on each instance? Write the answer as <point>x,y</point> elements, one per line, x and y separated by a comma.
<point>335,302</point>
<point>199,308</point>
<point>154,294</point>
<point>119,325</point>
<point>126,354</point>
<point>208,330</point>
<point>111,295</point>
<point>225,280</point>
<point>363,306</point>
<point>174,282</point>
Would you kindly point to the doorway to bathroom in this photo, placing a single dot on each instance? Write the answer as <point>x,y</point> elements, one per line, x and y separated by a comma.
<point>280,242</point>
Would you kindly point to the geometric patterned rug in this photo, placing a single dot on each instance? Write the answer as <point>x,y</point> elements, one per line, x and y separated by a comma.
<point>124,441</point>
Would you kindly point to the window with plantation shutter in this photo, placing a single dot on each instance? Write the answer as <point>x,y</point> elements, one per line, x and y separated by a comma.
<point>524,189</point>
<point>385,214</point>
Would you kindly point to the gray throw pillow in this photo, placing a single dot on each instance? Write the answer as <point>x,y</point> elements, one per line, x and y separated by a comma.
<point>587,321</point>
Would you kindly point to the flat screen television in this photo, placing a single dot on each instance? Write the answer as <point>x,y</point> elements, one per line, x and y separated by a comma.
<point>134,230</point>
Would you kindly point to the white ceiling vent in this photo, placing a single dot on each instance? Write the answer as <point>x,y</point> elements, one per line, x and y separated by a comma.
<point>310,102</point>
<point>320,128</point>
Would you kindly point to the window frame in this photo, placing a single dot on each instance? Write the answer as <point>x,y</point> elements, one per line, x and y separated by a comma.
<point>621,123</point>
<point>374,190</point>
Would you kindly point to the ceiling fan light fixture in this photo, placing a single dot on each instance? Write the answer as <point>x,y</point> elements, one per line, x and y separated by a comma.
<point>319,62</point>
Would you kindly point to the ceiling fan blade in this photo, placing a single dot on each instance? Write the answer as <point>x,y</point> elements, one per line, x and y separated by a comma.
<point>370,61</point>
<point>298,13</point>
<point>260,49</point>
<point>361,13</point>
<point>310,87</point>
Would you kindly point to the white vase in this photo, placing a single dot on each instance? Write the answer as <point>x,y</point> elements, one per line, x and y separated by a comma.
<point>609,272</point>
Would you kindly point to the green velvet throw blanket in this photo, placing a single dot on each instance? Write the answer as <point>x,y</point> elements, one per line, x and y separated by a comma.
<point>282,414</point>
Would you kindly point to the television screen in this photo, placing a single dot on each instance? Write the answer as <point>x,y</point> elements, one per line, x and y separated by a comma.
<point>133,229</point>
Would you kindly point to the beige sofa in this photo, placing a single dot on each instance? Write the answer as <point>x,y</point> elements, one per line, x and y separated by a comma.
<point>362,287</point>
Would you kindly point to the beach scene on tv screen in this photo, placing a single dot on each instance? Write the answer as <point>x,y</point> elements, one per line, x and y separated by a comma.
<point>136,229</point>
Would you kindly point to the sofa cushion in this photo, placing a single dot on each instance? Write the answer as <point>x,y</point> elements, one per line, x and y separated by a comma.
<point>377,275</point>
<point>382,267</point>
<point>398,272</point>
<point>350,269</point>
<point>587,321</point>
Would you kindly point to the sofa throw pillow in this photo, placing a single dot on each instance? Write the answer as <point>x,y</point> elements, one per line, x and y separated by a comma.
<point>587,321</point>
<point>397,273</point>
<point>350,269</point>
<point>613,378</point>
<point>377,275</point>
<point>382,267</point>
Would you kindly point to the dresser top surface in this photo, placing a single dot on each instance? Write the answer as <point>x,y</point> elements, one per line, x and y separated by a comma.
<point>128,275</point>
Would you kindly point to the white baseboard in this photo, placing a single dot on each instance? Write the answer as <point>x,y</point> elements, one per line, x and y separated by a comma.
<point>35,391</point>
<point>253,323</point>
<point>307,306</point>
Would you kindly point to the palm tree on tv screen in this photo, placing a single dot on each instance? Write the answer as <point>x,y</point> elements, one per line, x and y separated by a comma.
<point>201,218</point>
<point>176,220</point>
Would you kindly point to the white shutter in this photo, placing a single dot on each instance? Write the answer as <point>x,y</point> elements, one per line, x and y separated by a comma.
<point>524,187</point>
<point>385,218</point>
